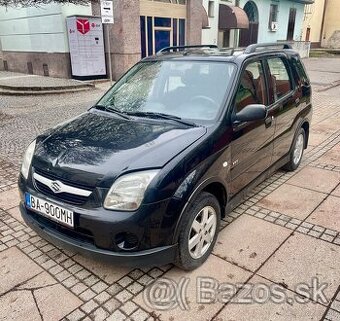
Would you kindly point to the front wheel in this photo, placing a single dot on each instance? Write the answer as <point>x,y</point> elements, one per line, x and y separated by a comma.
<point>199,230</point>
<point>296,153</point>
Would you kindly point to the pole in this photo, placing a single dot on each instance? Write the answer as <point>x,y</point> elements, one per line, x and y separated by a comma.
<point>109,50</point>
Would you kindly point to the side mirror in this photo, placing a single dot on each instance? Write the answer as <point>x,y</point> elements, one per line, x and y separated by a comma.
<point>251,112</point>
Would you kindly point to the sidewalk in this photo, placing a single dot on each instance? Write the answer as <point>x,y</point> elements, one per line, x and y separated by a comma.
<point>12,83</point>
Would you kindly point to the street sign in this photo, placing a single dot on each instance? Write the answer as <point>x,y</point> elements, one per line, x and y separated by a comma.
<point>106,10</point>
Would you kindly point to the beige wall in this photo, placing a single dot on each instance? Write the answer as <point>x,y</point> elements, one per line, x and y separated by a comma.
<point>331,30</point>
<point>313,20</point>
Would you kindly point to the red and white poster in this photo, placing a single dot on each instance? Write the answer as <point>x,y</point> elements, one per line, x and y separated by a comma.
<point>85,36</point>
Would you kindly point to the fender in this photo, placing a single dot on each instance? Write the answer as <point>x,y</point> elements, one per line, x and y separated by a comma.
<point>198,188</point>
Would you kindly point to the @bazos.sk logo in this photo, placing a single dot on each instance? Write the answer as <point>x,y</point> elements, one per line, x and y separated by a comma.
<point>167,294</point>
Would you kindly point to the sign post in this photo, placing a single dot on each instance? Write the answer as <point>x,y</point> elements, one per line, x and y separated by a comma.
<point>106,10</point>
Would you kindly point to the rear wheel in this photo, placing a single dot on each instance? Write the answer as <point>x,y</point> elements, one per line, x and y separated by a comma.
<point>199,231</point>
<point>296,153</point>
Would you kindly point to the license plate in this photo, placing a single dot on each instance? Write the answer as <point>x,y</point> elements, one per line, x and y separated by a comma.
<point>50,210</point>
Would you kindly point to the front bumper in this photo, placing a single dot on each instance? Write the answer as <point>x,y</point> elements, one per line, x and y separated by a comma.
<point>150,257</point>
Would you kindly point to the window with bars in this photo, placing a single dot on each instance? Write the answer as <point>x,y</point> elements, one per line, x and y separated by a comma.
<point>273,14</point>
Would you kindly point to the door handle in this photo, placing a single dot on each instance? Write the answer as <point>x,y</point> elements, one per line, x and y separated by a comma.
<point>268,121</point>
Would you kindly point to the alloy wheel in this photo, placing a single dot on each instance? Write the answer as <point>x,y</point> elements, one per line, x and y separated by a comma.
<point>202,232</point>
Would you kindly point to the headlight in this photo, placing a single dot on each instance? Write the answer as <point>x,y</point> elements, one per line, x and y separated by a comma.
<point>26,163</point>
<point>127,192</point>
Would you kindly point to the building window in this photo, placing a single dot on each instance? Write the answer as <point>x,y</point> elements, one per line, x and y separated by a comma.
<point>273,14</point>
<point>160,32</point>
<point>211,9</point>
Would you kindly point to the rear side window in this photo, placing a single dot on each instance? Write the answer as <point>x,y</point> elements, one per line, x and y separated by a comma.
<point>300,70</point>
<point>279,78</point>
<point>252,88</point>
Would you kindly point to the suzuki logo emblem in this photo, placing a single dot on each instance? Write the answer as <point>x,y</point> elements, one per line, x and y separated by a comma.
<point>55,186</point>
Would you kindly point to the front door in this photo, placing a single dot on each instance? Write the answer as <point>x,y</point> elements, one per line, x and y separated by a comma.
<point>249,36</point>
<point>252,146</point>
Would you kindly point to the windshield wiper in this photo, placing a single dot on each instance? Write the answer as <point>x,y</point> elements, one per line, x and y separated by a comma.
<point>112,110</point>
<point>161,115</point>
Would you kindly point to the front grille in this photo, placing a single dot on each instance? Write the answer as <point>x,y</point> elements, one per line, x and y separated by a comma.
<point>68,182</point>
<point>78,234</point>
<point>69,198</point>
<point>66,197</point>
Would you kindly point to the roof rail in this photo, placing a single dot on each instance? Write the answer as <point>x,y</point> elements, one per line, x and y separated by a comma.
<point>167,49</point>
<point>252,48</point>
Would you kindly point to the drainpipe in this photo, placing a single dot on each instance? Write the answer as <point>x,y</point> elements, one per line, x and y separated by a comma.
<point>323,20</point>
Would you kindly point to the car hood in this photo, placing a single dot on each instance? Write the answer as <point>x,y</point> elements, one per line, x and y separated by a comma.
<point>97,147</point>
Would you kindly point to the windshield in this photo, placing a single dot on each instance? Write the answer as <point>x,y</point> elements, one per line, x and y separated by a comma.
<point>186,89</point>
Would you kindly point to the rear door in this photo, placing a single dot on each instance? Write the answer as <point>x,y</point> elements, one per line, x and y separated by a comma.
<point>284,101</point>
<point>251,147</point>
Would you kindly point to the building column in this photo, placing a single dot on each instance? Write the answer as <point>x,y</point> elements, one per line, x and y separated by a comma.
<point>194,22</point>
<point>124,35</point>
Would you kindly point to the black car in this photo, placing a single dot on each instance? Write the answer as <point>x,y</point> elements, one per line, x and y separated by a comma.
<point>145,175</point>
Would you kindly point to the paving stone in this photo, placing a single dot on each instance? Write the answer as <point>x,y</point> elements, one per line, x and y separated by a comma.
<point>259,240</point>
<point>99,314</point>
<point>125,281</point>
<point>88,307</point>
<point>9,199</point>
<point>333,315</point>
<point>327,214</point>
<point>107,272</point>
<point>214,268</point>
<point>70,282</point>
<point>123,296</point>
<point>269,310</point>
<point>312,257</point>
<point>87,295</point>
<point>79,288</point>
<point>336,306</point>
<point>112,305</point>
<point>15,268</point>
<point>327,238</point>
<point>99,287</point>
<point>293,201</point>
<point>114,289</point>
<point>102,297</point>
<point>43,279</point>
<point>129,307</point>
<point>55,301</point>
<point>135,288</point>
<point>19,305</point>
<point>76,315</point>
<point>117,316</point>
<point>316,179</point>
<point>139,315</point>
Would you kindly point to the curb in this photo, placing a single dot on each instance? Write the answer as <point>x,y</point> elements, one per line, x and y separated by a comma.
<point>44,92</point>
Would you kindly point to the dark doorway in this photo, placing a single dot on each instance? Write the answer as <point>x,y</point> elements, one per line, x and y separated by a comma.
<point>249,36</point>
<point>291,24</point>
<point>307,34</point>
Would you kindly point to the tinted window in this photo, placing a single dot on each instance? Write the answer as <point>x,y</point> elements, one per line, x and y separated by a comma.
<point>187,89</point>
<point>252,89</point>
<point>300,70</point>
<point>279,77</point>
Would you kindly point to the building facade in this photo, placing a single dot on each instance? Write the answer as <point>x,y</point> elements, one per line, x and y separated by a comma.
<point>35,40</point>
<point>269,21</point>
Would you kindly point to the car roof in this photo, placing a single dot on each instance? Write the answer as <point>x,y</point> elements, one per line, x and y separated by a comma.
<point>213,53</point>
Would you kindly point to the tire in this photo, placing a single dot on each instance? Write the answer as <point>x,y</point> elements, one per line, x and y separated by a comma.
<point>207,206</point>
<point>296,153</point>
